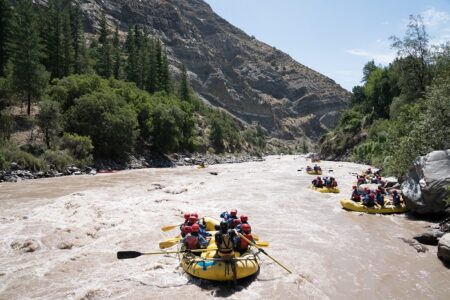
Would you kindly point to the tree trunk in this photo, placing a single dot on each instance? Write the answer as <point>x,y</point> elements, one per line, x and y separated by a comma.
<point>29,103</point>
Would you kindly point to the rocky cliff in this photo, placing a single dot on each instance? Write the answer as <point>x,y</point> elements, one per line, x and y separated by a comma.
<point>229,69</point>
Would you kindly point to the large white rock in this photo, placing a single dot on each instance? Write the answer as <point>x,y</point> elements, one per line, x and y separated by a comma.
<point>425,187</point>
<point>444,248</point>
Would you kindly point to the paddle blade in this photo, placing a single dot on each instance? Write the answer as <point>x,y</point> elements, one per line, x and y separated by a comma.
<point>168,243</point>
<point>128,254</point>
<point>262,243</point>
<point>168,228</point>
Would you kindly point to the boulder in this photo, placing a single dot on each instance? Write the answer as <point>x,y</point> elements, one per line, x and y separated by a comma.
<point>425,187</point>
<point>430,237</point>
<point>443,251</point>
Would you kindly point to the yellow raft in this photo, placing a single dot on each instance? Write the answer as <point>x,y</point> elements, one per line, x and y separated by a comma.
<point>325,189</point>
<point>387,209</point>
<point>208,267</point>
<point>314,172</point>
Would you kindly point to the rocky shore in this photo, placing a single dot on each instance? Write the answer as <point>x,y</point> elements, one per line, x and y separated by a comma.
<point>16,173</point>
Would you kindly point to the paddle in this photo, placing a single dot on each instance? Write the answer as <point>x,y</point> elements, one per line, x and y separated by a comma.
<point>263,251</point>
<point>134,254</point>
<point>173,241</point>
<point>170,227</point>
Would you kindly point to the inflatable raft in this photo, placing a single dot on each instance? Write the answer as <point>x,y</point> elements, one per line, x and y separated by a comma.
<point>314,172</point>
<point>325,189</point>
<point>387,209</point>
<point>209,267</point>
<point>206,266</point>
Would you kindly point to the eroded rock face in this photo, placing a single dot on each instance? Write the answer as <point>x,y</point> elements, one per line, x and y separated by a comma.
<point>229,69</point>
<point>425,187</point>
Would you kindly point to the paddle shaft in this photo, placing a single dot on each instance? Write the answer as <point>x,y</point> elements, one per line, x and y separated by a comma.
<point>262,250</point>
<point>134,254</point>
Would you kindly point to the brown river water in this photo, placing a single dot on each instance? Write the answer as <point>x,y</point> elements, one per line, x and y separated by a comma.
<point>333,253</point>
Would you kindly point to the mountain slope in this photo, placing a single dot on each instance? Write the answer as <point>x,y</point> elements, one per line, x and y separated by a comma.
<point>229,69</point>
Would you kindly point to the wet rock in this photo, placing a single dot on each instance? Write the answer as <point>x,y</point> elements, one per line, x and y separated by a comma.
<point>425,187</point>
<point>73,169</point>
<point>65,246</point>
<point>27,246</point>
<point>214,173</point>
<point>14,166</point>
<point>390,182</point>
<point>430,237</point>
<point>443,251</point>
<point>415,244</point>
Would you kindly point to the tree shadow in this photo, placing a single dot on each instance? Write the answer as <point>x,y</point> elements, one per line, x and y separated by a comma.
<point>223,289</point>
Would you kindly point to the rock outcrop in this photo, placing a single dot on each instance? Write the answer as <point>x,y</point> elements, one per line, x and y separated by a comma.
<point>425,187</point>
<point>229,69</point>
<point>443,251</point>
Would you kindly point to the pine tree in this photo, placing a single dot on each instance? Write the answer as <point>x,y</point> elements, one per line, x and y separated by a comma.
<point>158,66</point>
<point>5,27</point>
<point>53,40</point>
<point>104,62</point>
<point>165,76</point>
<point>28,75</point>
<point>184,85</point>
<point>150,84</point>
<point>139,48</point>
<point>117,53</point>
<point>130,48</point>
<point>78,41</point>
<point>67,46</point>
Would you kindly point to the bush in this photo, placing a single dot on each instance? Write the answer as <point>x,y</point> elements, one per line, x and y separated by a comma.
<point>108,121</point>
<point>80,147</point>
<point>59,160</point>
<point>6,126</point>
<point>23,159</point>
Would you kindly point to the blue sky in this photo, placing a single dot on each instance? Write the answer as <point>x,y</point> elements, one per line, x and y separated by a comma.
<point>334,37</point>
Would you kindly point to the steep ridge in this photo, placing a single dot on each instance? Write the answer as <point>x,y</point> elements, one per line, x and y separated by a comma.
<point>250,79</point>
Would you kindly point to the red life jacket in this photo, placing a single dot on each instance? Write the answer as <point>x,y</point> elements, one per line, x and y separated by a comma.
<point>244,244</point>
<point>191,241</point>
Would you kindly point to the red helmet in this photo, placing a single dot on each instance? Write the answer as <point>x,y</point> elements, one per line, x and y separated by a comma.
<point>246,228</point>
<point>187,215</point>
<point>394,191</point>
<point>236,222</point>
<point>233,212</point>
<point>186,229</point>
<point>195,228</point>
<point>244,218</point>
<point>366,189</point>
<point>378,191</point>
<point>192,219</point>
<point>194,214</point>
<point>354,187</point>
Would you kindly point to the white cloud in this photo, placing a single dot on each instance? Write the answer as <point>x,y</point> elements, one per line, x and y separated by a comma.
<point>433,18</point>
<point>383,58</point>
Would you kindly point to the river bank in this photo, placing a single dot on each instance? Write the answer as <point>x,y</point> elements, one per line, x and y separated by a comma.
<point>59,236</point>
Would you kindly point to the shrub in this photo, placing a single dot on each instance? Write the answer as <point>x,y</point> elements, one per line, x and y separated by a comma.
<point>23,159</point>
<point>59,160</point>
<point>80,147</point>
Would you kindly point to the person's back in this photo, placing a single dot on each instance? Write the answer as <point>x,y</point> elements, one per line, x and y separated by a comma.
<point>369,200</point>
<point>194,240</point>
<point>396,200</point>
<point>380,198</point>
<point>319,183</point>
<point>355,195</point>
<point>224,241</point>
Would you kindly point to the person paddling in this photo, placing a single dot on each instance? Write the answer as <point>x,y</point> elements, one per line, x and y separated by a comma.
<point>355,194</point>
<point>241,244</point>
<point>244,220</point>
<point>396,200</point>
<point>194,240</point>
<point>380,198</point>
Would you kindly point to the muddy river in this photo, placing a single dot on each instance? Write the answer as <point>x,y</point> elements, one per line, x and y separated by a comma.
<point>75,225</point>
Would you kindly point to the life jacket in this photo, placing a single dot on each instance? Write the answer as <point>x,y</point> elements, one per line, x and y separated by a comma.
<point>225,247</point>
<point>396,199</point>
<point>243,245</point>
<point>191,241</point>
<point>356,196</point>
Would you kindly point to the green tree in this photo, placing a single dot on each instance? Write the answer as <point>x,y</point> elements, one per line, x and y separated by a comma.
<point>53,33</point>
<point>368,68</point>
<point>184,85</point>
<point>67,62</point>
<point>49,120</point>
<point>131,64</point>
<point>117,54</point>
<point>414,58</point>
<point>104,60</point>
<point>28,76</point>
<point>5,28</point>
<point>80,60</point>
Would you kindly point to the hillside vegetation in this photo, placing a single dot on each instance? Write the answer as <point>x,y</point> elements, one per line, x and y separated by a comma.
<point>401,110</point>
<point>106,97</point>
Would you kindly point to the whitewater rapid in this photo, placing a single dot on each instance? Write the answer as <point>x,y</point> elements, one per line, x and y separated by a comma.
<point>78,223</point>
